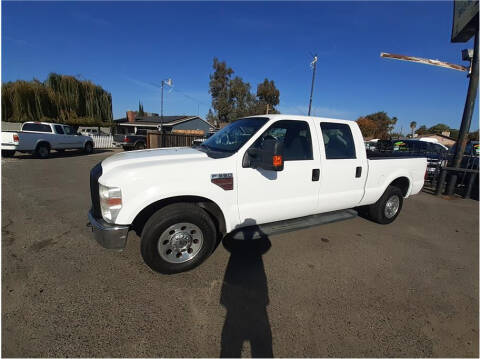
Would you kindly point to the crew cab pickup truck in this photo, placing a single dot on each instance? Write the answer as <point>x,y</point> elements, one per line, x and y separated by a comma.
<point>41,137</point>
<point>129,142</point>
<point>257,172</point>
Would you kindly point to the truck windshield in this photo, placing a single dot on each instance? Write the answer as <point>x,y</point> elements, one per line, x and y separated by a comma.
<point>230,138</point>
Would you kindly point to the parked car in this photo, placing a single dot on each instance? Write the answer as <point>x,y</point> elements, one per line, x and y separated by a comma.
<point>92,132</point>
<point>129,142</point>
<point>40,138</point>
<point>273,170</point>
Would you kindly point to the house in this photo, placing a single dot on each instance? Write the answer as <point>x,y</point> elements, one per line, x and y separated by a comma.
<point>443,138</point>
<point>152,121</point>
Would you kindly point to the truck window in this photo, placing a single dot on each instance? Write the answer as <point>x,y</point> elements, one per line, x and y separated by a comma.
<point>69,130</point>
<point>36,127</point>
<point>59,129</point>
<point>338,141</point>
<point>295,136</point>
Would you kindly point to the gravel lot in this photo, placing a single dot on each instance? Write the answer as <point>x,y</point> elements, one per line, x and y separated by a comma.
<point>349,289</point>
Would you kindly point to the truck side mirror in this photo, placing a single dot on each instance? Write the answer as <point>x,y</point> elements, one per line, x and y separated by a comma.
<point>269,157</point>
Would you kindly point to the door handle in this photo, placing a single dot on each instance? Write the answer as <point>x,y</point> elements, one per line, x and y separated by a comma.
<point>358,172</point>
<point>315,174</point>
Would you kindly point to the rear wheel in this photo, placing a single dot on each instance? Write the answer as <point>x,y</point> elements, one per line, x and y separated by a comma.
<point>140,146</point>
<point>177,238</point>
<point>388,207</point>
<point>8,153</point>
<point>42,150</point>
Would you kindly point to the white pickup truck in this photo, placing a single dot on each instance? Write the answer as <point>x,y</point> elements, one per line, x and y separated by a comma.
<point>259,174</point>
<point>41,137</point>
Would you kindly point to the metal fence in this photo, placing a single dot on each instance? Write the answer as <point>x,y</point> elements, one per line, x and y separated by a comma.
<point>103,141</point>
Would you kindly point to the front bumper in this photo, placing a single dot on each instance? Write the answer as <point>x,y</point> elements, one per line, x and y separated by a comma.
<point>110,236</point>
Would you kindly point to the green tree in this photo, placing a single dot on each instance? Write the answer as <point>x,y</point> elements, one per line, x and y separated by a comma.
<point>268,94</point>
<point>422,130</point>
<point>141,113</point>
<point>233,98</point>
<point>438,128</point>
<point>413,124</point>
<point>219,89</point>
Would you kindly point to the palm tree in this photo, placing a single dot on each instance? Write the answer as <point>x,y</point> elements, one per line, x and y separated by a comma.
<point>413,124</point>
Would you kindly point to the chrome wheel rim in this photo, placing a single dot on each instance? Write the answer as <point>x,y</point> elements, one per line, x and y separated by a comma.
<point>180,242</point>
<point>392,206</point>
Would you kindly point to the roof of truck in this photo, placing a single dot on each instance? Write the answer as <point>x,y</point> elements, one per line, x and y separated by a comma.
<point>299,117</point>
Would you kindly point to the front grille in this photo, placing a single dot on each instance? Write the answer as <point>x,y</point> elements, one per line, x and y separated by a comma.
<point>95,174</point>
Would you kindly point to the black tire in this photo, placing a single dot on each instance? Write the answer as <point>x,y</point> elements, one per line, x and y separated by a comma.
<point>169,216</point>
<point>8,153</point>
<point>140,146</point>
<point>125,148</point>
<point>88,148</point>
<point>42,150</point>
<point>377,211</point>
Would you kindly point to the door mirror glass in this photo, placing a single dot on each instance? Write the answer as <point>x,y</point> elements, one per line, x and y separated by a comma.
<point>268,157</point>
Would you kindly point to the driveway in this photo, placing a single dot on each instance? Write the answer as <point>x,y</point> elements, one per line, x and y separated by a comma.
<point>347,289</point>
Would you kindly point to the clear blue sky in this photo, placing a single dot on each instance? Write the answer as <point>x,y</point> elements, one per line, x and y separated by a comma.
<point>125,47</point>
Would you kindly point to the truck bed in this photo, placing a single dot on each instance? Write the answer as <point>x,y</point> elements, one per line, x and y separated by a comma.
<point>376,155</point>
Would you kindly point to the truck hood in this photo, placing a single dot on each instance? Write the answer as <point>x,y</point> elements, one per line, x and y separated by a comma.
<point>155,155</point>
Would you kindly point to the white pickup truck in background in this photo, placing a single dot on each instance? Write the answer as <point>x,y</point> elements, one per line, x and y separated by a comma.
<point>40,138</point>
<point>261,174</point>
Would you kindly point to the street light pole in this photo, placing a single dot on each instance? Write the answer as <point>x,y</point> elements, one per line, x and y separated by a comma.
<point>161,107</point>
<point>314,63</point>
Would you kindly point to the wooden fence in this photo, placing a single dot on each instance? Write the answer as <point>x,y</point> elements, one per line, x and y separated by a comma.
<point>158,139</point>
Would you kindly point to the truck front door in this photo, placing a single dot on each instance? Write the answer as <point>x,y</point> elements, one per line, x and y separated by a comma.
<point>267,196</point>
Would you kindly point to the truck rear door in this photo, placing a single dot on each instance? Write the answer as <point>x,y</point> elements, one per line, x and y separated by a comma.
<point>343,171</point>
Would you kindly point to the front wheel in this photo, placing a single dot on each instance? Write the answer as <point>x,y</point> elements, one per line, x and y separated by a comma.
<point>177,238</point>
<point>388,207</point>
<point>88,148</point>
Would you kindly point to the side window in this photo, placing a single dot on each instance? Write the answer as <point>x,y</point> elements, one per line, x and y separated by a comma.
<point>59,129</point>
<point>36,127</point>
<point>338,141</point>
<point>295,136</point>
<point>69,130</point>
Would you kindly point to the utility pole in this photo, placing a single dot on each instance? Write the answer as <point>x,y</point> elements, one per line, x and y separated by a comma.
<point>466,118</point>
<point>314,64</point>
<point>267,108</point>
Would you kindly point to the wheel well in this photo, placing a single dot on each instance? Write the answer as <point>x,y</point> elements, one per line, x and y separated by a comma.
<point>209,206</point>
<point>43,143</point>
<point>403,183</point>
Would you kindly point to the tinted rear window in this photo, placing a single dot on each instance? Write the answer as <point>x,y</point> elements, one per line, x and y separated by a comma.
<point>37,127</point>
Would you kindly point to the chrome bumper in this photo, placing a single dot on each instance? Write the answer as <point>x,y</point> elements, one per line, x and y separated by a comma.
<point>110,236</point>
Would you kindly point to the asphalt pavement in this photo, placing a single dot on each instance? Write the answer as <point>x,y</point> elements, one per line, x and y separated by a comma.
<point>347,289</point>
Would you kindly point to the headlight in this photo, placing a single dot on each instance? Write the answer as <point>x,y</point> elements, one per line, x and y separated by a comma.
<point>110,202</point>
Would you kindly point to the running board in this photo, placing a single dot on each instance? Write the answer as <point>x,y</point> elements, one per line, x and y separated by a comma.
<point>289,225</point>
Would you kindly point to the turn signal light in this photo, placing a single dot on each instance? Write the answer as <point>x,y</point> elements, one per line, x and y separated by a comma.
<point>16,138</point>
<point>277,161</point>
<point>114,201</point>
